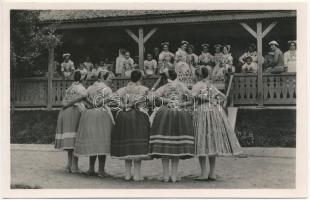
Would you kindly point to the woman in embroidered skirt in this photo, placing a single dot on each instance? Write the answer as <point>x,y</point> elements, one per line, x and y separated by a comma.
<point>214,135</point>
<point>68,121</point>
<point>96,123</point>
<point>172,134</point>
<point>130,138</point>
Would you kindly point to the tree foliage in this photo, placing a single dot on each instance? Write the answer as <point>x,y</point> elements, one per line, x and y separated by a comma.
<point>29,43</point>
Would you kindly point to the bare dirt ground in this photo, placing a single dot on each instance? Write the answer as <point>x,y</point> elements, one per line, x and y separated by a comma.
<point>42,166</point>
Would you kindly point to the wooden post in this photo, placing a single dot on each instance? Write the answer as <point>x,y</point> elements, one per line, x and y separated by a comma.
<point>141,48</point>
<point>259,37</point>
<point>50,78</point>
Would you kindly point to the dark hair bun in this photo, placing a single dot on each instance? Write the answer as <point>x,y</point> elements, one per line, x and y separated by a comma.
<point>204,72</point>
<point>77,76</point>
<point>135,75</point>
<point>172,74</point>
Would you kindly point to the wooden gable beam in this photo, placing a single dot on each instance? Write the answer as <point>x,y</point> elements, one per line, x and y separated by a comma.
<point>132,35</point>
<point>150,34</point>
<point>260,94</point>
<point>268,29</point>
<point>141,47</point>
<point>249,29</point>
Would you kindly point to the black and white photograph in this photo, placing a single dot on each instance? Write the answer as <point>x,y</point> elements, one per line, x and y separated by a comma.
<point>154,98</point>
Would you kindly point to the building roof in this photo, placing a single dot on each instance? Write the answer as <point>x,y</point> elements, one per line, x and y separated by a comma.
<point>86,15</point>
<point>93,18</point>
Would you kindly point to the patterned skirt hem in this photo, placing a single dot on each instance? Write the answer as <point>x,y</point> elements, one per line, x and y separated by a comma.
<point>221,154</point>
<point>92,154</point>
<point>187,155</point>
<point>132,157</point>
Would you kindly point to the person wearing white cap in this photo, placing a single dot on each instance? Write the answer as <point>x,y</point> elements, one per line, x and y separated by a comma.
<point>67,66</point>
<point>181,66</point>
<point>277,64</point>
<point>290,57</point>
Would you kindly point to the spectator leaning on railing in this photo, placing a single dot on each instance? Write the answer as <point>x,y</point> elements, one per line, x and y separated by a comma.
<point>277,62</point>
<point>249,66</point>
<point>251,52</point>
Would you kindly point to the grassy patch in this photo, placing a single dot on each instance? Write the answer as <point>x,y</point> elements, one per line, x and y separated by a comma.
<point>265,128</point>
<point>33,127</point>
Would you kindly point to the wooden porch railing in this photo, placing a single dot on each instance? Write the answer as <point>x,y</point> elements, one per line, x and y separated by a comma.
<point>277,89</point>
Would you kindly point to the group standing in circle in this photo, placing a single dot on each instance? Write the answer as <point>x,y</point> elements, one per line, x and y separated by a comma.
<point>169,123</point>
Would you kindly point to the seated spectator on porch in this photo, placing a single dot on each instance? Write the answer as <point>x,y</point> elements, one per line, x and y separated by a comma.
<point>119,62</point>
<point>67,66</point>
<point>205,58</point>
<point>251,52</point>
<point>128,65</point>
<point>150,65</point>
<point>107,65</point>
<point>290,57</point>
<point>249,66</point>
<point>97,68</point>
<point>88,65</point>
<point>228,60</point>
<point>277,65</point>
<point>83,71</point>
<point>101,65</point>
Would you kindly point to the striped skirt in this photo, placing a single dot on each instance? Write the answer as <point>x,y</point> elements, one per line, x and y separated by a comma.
<point>67,126</point>
<point>94,133</point>
<point>130,138</point>
<point>172,134</point>
<point>213,133</point>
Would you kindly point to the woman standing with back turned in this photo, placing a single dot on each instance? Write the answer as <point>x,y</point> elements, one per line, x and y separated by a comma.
<point>130,138</point>
<point>214,135</point>
<point>172,134</point>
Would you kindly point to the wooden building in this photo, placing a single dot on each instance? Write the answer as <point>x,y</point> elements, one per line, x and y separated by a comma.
<point>100,33</point>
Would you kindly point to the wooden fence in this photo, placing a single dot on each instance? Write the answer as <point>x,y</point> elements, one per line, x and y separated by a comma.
<point>277,90</point>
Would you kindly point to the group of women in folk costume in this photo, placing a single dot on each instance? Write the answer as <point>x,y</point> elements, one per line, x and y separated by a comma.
<point>185,61</point>
<point>175,129</point>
